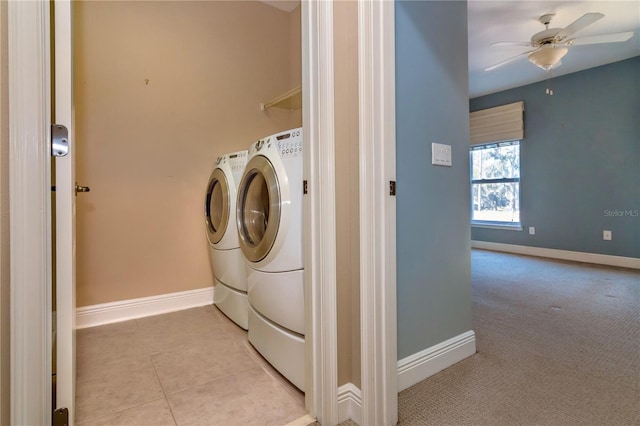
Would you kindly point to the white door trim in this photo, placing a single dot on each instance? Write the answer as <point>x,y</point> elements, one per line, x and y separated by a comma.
<point>378,318</point>
<point>319,221</point>
<point>30,211</point>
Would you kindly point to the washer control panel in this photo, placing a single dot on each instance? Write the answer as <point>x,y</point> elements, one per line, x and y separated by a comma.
<point>235,160</point>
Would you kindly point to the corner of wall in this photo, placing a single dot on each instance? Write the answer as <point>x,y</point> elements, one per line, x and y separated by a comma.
<point>349,403</point>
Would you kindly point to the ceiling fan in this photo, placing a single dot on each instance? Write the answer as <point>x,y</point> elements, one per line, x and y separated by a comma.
<point>550,45</point>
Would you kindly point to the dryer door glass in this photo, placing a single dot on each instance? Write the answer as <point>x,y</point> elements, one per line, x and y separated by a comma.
<point>217,206</point>
<point>258,209</point>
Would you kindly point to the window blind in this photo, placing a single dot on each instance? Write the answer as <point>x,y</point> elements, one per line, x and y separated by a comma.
<point>503,123</point>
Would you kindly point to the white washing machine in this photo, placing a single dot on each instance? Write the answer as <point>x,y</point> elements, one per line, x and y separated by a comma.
<point>230,278</point>
<point>269,218</point>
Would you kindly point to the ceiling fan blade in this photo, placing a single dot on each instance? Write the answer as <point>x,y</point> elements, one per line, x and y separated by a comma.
<point>604,38</point>
<point>577,25</point>
<point>506,61</point>
<point>512,43</point>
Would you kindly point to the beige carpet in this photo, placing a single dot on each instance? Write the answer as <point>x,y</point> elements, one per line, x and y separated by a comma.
<point>558,344</point>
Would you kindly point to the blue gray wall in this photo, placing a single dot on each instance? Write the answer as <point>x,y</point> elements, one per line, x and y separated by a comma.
<point>580,161</point>
<point>433,255</point>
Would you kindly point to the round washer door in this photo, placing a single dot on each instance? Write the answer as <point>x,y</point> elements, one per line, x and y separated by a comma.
<point>258,209</point>
<point>217,206</point>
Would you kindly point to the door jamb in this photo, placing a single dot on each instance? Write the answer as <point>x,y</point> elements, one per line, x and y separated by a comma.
<point>319,206</point>
<point>30,211</point>
<point>378,318</point>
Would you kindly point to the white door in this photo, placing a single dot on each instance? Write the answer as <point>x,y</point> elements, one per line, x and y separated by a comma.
<point>65,229</point>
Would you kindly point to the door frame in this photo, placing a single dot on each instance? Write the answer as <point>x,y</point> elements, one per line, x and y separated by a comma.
<point>378,317</point>
<point>319,225</point>
<point>30,210</point>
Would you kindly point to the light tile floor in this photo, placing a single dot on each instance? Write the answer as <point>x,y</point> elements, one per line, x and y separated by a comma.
<point>192,367</point>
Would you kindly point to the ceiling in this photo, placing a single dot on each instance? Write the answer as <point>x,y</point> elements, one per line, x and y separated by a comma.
<point>286,5</point>
<point>515,20</point>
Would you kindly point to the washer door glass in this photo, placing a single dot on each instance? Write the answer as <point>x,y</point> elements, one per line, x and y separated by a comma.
<point>258,209</point>
<point>217,206</point>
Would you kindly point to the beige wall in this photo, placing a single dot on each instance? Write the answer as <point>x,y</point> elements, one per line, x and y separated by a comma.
<point>4,221</point>
<point>295,55</point>
<point>161,90</point>
<point>347,190</point>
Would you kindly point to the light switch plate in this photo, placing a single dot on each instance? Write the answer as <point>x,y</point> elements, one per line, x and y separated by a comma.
<point>440,154</point>
<point>606,235</point>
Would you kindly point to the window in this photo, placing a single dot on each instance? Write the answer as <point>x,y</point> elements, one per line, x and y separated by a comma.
<point>495,184</point>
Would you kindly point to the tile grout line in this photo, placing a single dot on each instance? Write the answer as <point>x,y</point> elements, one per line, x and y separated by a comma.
<point>282,382</point>
<point>166,398</point>
<point>278,381</point>
<point>88,421</point>
<point>155,371</point>
<point>267,368</point>
<point>126,407</point>
<point>209,382</point>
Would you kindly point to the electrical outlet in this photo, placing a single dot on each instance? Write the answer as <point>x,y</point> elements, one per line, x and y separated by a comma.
<point>606,235</point>
<point>532,230</point>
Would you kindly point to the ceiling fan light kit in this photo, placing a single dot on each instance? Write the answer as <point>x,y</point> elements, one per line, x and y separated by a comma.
<point>552,44</point>
<point>548,57</point>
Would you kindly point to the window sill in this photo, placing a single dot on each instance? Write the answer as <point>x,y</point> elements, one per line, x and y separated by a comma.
<point>494,225</point>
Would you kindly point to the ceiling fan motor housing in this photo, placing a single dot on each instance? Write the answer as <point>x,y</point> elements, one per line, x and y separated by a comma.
<point>545,37</point>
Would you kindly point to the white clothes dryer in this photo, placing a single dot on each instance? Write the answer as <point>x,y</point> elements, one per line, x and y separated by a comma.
<point>230,279</point>
<point>269,218</point>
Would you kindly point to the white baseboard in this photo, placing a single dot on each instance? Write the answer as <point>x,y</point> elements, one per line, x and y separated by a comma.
<point>107,313</point>
<point>349,403</point>
<point>576,256</point>
<point>426,363</point>
<point>411,370</point>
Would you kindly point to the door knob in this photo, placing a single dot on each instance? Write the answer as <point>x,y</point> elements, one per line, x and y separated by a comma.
<point>81,188</point>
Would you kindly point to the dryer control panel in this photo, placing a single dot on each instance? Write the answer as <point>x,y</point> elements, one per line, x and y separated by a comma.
<point>290,143</point>
<point>290,149</point>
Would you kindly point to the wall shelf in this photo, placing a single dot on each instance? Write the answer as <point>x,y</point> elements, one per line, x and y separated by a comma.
<point>291,100</point>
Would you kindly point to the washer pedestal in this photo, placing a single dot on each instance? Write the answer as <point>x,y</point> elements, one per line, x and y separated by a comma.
<point>232,303</point>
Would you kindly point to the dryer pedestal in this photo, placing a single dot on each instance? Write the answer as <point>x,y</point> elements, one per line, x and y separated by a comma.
<point>278,296</point>
<point>283,349</point>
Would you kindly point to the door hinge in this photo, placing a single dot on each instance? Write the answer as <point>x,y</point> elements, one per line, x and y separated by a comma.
<point>304,186</point>
<point>59,140</point>
<point>60,417</point>
<point>392,187</point>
